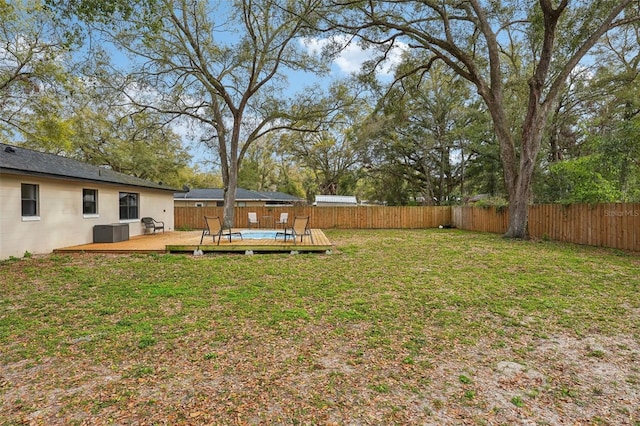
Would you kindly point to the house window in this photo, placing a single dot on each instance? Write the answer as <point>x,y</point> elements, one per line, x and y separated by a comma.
<point>30,200</point>
<point>89,201</point>
<point>129,205</point>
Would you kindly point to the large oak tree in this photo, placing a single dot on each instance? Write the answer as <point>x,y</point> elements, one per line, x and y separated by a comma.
<point>221,65</point>
<point>488,43</point>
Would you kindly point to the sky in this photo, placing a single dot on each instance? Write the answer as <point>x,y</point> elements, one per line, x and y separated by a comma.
<point>353,56</point>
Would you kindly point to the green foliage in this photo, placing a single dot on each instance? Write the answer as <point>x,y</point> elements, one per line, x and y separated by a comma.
<point>146,341</point>
<point>420,138</point>
<point>141,370</point>
<point>517,401</point>
<point>259,168</point>
<point>326,145</point>
<point>595,129</point>
<point>32,70</point>
<point>618,155</point>
<point>193,177</point>
<point>465,380</point>
<point>498,202</point>
<point>104,135</point>
<point>578,181</point>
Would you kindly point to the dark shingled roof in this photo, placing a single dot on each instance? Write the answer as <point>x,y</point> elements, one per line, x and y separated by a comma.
<point>241,195</point>
<point>14,159</point>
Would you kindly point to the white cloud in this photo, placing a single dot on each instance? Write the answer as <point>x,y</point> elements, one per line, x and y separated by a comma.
<point>352,56</point>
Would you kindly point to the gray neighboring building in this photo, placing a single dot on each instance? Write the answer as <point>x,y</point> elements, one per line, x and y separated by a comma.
<point>214,197</point>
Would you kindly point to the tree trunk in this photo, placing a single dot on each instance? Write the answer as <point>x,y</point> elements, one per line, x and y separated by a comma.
<point>518,177</point>
<point>229,205</point>
<point>520,193</point>
<point>519,208</point>
<point>517,187</point>
<point>230,182</point>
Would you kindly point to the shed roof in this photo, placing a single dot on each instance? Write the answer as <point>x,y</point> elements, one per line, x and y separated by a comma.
<point>14,159</point>
<point>336,199</point>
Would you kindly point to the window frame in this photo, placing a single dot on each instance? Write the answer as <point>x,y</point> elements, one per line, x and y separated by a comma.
<point>85,203</point>
<point>34,202</point>
<point>130,207</point>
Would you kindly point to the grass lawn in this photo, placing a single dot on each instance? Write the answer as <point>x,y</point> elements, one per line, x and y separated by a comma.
<point>439,327</point>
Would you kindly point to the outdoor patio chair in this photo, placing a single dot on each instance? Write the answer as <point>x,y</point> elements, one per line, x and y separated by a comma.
<point>284,219</point>
<point>300,228</point>
<point>253,219</point>
<point>215,229</point>
<point>151,223</point>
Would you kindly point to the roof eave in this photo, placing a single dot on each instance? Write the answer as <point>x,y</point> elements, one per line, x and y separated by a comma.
<point>80,179</point>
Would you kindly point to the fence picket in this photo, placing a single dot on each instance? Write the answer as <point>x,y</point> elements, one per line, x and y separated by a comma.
<point>608,225</point>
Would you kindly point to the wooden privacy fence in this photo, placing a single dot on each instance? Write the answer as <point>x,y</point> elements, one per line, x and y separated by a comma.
<point>361,217</point>
<point>606,225</point>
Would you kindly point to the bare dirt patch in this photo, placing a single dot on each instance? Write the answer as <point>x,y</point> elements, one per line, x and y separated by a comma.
<point>281,380</point>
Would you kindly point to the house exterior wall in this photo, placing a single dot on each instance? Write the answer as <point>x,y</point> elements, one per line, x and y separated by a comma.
<point>250,203</point>
<point>61,222</point>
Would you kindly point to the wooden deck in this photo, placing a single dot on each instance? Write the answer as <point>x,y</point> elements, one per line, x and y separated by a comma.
<point>189,241</point>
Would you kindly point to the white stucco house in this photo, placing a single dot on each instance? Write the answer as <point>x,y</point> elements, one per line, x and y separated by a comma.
<point>48,202</point>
